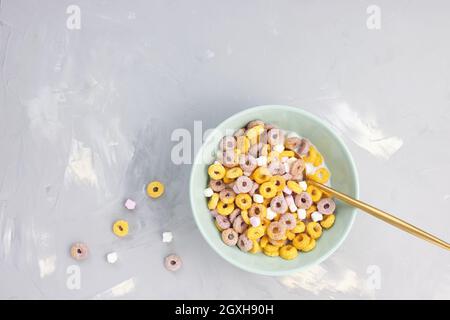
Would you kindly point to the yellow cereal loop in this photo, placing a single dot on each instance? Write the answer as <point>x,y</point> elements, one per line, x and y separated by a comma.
<point>279,182</point>
<point>294,186</point>
<point>243,144</point>
<point>244,214</point>
<point>318,160</point>
<point>264,241</point>
<point>286,154</point>
<point>212,203</point>
<point>310,246</point>
<point>271,250</point>
<point>120,228</point>
<point>256,247</point>
<point>290,235</point>
<point>273,155</point>
<point>301,241</point>
<point>254,233</point>
<point>266,202</point>
<point>268,189</point>
<point>261,175</point>
<point>299,228</point>
<point>216,171</point>
<point>314,229</point>
<point>234,173</point>
<point>315,193</point>
<point>270,254</point>
<point>321,175</point>
<point>225,208</point>
<point>310,210</point>
<point>278,243</point>
<point>328,221</point>
<point>227,180</point>
<point>155,189</point>
<point>311,156</point>
<point>288,252</point>
<point>243,201</point>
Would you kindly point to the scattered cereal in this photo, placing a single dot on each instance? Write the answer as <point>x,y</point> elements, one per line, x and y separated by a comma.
<point>167,237</point>
<point>112,257</point>
<point>120,228</point>
<point>79,251</point>
<point>172,262</point>
<point>130,204</point>
<point>155,189</point>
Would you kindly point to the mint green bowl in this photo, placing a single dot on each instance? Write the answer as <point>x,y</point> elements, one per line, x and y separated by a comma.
<point>343,177</point>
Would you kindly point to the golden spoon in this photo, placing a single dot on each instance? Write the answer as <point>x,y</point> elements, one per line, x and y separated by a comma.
<point>386,217</point>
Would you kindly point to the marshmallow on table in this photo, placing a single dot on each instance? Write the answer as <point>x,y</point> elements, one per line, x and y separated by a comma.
<point>167,237</point>
<point>112,257</point>
<point>130,204</point>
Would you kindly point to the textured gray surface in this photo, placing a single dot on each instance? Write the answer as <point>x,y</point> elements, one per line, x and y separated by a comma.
<point>86,117</point>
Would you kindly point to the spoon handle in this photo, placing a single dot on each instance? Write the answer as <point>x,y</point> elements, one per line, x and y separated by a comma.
<point>403,225</point>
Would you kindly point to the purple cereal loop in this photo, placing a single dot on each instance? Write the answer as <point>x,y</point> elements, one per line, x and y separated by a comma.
<point>223,222</point>
<point>255,150</point>
<point>277,230</point>
<point>236,189</point>
<point>216,185</point>
<point>172,262</point>
<point>287,176</point>
<point>229,159</point>
<point>278,204</point>
<point>79,251</point>
<point>239,224</point>
<point>244,184</point>
<point>244,243</point>
<point>226,194</point>
<point>254,188</point>
<point>304,146</point>
<point>288,220</point>
<point>303,200</point>
<point>227,143</point>
<point>229,237</point>
<point>275,136</point>
<point>248,163</point>
<point>213,213</point>
<point>326,206</point>
<point>236,212</point>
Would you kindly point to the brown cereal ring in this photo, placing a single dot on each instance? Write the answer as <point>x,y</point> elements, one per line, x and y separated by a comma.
<point>223,222</point>
<point>244,243</point>
<point>227,143</point>
<point>293,143</point>
<point>248,163</point>
<point>278,204</point>
<point>276,230</point>
<point>230,237</point>
<point>172,262</point>
<point>227,196</point>
<point>326,206</point>
<point>288,220</point>
<point>217,185</point>
<point>303,200</point>
<point>239,224</point>
<point>297,167</point>
<point>275,136</point>
<point>303,149</point>
<point>79,251</point>
<point>244,184</point>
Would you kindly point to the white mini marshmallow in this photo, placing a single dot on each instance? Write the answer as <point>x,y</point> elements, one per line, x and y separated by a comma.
<point>303,185</point>
<point>261,161</point>
<point>310,169</point>
<point>130,204</point>
<point>287,167</point>
<point>167,237</point>
<point>284,159</point>
<point>208,192</point>
<point>258,198</point>
<point>301,213</point>
<point>316,216</point>
<point>270,214</point>
<point>293,134</point>
<point>293,207</point>
<point>255,221</point>
<point>278,148</point>
<point>286,190</point>
<point>112,257</point>
<point>247,173</point>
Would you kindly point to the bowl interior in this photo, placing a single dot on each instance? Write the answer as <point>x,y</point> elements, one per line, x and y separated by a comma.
<point>343,178</point>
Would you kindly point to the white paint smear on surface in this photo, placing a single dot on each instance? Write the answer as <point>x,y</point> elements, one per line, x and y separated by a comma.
<point>119,290</point>
<point>317,279</point>
<point>80,168</point>
<point>364,132</point>
<point>47,266</point>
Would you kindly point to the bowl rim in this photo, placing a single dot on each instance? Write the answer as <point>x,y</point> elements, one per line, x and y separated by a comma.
<point>352,167</point>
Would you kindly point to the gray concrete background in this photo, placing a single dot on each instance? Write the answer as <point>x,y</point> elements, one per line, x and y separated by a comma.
<point>86,117</point>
